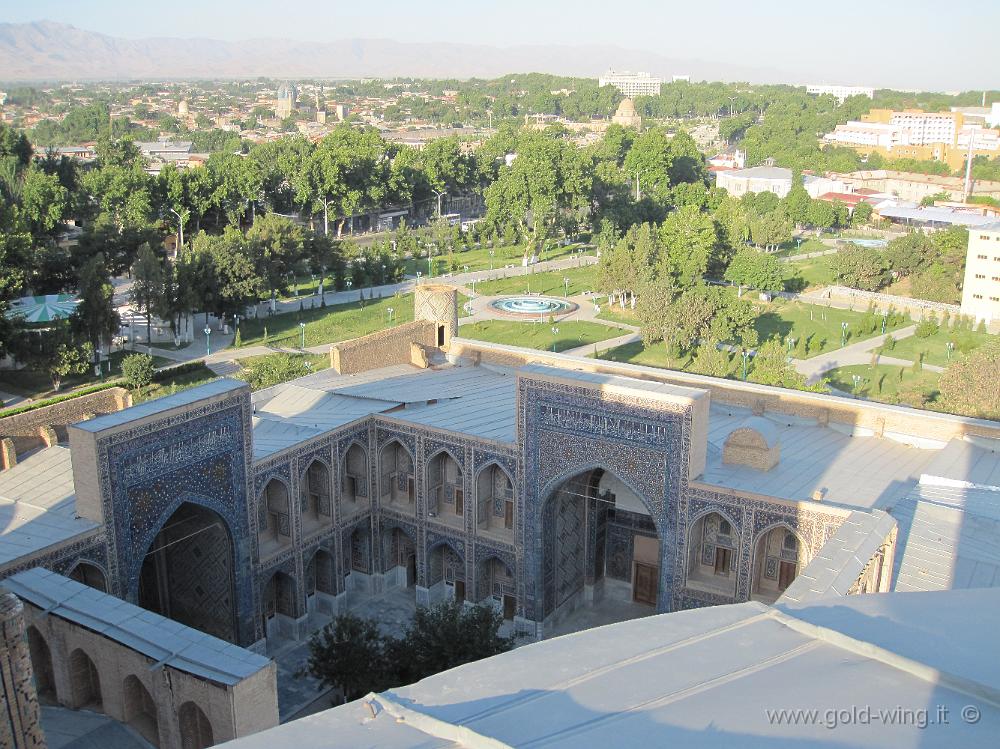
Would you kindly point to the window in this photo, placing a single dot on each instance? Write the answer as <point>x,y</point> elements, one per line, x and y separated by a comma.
<point>982,257</point>
<point>724,528</point>
<point>980,275</point>
<point>790,543</point>
<point>995,298</point>
<point>977,296</point>
<point>459,502</point>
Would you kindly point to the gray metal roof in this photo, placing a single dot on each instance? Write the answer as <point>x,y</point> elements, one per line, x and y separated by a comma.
<point>163,640</point>
<point>948,538</point>
<point>37,508</point>
<point>856,471</point>
<point>702,678</point>
<point>938,215</point>
<point>162,405</point>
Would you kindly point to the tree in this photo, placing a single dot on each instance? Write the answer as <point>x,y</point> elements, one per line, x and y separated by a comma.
<point>712,360</point>
<point>275,245</point>
<point>971,386</point>
<point>771,367</point>
<point>137,370</point>
<point>43,201</point>
<point>798,205</point>
<point>689,241</point>
<point>53,351</point>
<point>862,214</point>
<point>937,283</point>
<point>860,268</point>
<point>95,316</point>
<point>756,270</point>
<point>147,285</point>
<point>821,214</point>
<point>273,369</point>
<point>770,229</point>
<point>351,653</point>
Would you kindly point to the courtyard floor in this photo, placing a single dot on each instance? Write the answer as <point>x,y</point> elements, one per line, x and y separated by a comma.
<point>607,611</point>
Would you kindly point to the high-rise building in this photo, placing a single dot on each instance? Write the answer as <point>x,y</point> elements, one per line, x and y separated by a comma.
<point>981,290</point>
<point>632,85</point>
<point>840,92</point>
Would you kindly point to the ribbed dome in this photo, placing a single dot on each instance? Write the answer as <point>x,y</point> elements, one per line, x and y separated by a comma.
<point>626,109</point>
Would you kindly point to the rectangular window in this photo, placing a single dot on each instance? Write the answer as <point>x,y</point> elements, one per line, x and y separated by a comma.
<point>459,502</point>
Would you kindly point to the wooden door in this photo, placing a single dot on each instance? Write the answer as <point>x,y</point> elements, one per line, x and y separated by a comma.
<point>508,515</point>
<point>644,585</point>
<point>459,502</point>
<point>460,590</point>
<point>411,570</point>
<point>509,607</point>
<point>786,573</point>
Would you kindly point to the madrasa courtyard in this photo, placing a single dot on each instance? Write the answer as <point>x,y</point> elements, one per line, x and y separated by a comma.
<point>205,532</point>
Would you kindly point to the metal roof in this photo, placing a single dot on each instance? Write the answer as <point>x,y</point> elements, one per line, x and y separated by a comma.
<point>163,640</point>
<point>938,216</point>
<point>37,507</point>
<point>707,677</point>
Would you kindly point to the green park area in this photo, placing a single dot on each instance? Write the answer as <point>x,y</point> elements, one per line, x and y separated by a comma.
<point>810,273</point>
<point>887,384</point>
<point>815,329</point>
<point>656,355</point>
<point>168,381</point>
<point>549,283</point>
<point>538,335</point>
<point>34,384</point>
<point>479,258</point>
<point>934,349</point>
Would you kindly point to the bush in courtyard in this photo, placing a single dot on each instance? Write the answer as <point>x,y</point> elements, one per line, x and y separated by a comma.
<point>926,328</point>
<point>137,371</point>
<point>273,369</point>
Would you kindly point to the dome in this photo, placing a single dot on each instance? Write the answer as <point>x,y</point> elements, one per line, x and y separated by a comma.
<point>626,109</point>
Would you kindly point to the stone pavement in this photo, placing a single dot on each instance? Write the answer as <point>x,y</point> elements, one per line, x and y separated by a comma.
<point>82,729</point>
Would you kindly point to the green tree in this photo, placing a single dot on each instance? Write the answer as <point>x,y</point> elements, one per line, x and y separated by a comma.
<point>712,360</point>
<point>971,385</point>
<point>53,351</point>
<point>862,214</point>
<point>275,245</point>
<point>137,370</point>
<point>95,316</point>
<point>860,268</point>
<point>771,367</point>
<point>147,285</point>
<point>351,654</point>
<point>798,205</point>
<point>689,242</point>
<point>821,214</point>
<point>756,270</point>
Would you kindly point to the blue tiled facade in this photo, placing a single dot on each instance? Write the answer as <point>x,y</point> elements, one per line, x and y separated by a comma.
<point>201,455</point>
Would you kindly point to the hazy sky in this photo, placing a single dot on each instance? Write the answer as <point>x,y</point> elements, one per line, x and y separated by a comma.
<point>899,42</point>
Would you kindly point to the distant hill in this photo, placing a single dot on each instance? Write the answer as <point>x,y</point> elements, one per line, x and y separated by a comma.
<point>48,51</point>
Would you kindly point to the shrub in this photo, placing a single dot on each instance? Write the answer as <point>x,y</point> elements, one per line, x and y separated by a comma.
<point>137,371</point>
<point>890,343</point>
<point>926,328</point>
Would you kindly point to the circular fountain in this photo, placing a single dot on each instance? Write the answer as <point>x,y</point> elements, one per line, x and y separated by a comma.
<point>532,306</point>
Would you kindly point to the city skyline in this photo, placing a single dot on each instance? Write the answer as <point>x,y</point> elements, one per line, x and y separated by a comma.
<point>809,48</point>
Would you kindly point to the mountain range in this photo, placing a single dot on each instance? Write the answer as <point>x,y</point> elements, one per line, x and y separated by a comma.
<point>49,51</point>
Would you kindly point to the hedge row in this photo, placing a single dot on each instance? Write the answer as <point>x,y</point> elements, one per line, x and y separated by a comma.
<point>58,399</point>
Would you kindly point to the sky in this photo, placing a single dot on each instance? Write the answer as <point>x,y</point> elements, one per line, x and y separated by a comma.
<point>909,43</point>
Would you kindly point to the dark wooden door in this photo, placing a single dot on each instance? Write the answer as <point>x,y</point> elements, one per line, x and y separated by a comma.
<point>459,590</point>
<point>645,583</point>
<point>509,607</point>
<point>411,570</point>
<point>786,573</point>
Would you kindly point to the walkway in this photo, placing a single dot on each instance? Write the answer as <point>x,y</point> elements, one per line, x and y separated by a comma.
<point>82,729</point>
<point>854,354</point>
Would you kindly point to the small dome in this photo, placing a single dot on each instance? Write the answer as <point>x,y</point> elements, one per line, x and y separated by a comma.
<point>626,109</point>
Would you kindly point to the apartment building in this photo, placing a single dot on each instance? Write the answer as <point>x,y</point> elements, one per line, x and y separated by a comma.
<point>981,290</point>
<point>632,85</point>
<point>840,92</point>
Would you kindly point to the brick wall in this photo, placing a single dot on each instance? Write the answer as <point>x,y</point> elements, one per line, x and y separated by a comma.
<point>25,429</point>
<point>381,349</point>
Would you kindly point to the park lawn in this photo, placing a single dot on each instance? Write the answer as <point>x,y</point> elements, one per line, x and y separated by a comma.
<point>887,383</point>
<point>814,272</point>
<point>549,283</point>
<point>170,385</point>
<point>616,314</point>
<point>479,258</point>
<point>37,385</point>
<point>813,325</point>
<point>810,245</point>
<point>652,356</point>
<point>539,335</point>
<point>338,322</point>
<point>935,347</point>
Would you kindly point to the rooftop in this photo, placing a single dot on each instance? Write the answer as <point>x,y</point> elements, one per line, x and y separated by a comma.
<point>706,677</point>
<point>37,508</point>
<point>163,640</point>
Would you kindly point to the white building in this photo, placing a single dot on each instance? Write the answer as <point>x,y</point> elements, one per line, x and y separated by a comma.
<point>680,79</point>
<point>632,85</point>
<point>840,92</point>
<point>774,179</point>
<point>981,290</point>
<point>993,118</point>
<point>874,134</point>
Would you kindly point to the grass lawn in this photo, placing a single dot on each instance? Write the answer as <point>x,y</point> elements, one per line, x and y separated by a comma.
<point>171,385</point>
<point>810,325</point>
<point>789,249</point>
<point>328,324</point>
<point>935,346</point>
<point>37,385</point>
<point>809,273</point>
<point>549,283</point>
<point>539,335</point>
<point>654,356</point>
<point>625,316</point>
<point>479,259</point>
<point>887,383</point>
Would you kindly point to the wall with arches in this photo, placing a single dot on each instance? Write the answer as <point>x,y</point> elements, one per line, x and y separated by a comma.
<point>85,669</point>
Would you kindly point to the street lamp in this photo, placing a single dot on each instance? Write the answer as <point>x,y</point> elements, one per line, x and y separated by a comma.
<point>208,340</point>
<point>390,310</point>
<point>566,286</point>
<point>885,318</point>
<point>555,332</point>
<point>439,196</point>
<point>302,330</point>
<point>98,364</point>
<point>180,231</point>
<point>858,379</point>
<point>949,347</point>
<point>418,276</point>
<point>843,334</point>
<point>491,259</point>
<point>746,357</point>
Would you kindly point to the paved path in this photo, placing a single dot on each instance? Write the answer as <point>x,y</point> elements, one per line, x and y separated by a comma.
<point>82,729</point>
<point>856,353</point>
<point>592,348</point>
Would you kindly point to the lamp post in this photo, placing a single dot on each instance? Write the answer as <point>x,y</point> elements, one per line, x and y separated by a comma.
<point>302,331</point>
<point>439,196</point>
<point>418,277</point>
<point>949,347</point>
<point>857,381</point>
<point>389,311</point>
<point>555,332</point>
<point>491,259</point>
<point>180,232</point>
<point>746,357</point>
<point>843,334</point>
<point>885,320</point>
<point>98,366</point>
<point>208,340</point>
<point>565,286</point>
